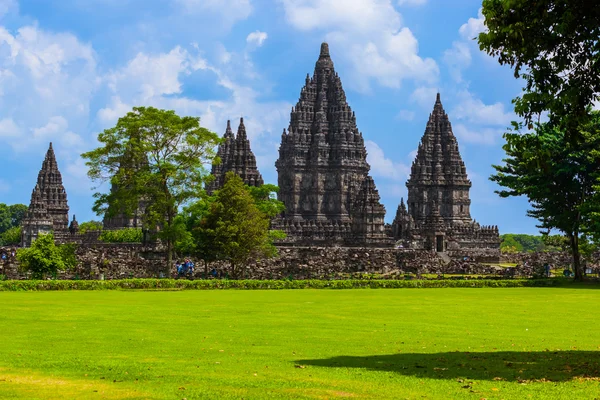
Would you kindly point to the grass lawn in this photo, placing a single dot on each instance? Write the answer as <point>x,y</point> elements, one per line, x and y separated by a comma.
<point>513,343</point>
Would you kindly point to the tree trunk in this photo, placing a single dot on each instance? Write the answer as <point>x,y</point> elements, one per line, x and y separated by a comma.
<point>169,243</point>
<point>577,267</point>
<point>232,270</point>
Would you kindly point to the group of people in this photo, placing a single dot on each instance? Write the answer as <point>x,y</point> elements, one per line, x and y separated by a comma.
<point>185,268</point>
<point>5,256</point>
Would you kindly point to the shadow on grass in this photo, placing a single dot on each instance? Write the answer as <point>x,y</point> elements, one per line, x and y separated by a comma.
<point>507,365</point>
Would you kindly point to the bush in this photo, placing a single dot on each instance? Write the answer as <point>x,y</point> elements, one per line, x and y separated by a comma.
<point>126,235</point>
<point>44,257</point>
<point>271,285</point>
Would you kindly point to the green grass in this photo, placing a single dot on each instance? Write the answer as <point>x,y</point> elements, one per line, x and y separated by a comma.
<point>448,343</point>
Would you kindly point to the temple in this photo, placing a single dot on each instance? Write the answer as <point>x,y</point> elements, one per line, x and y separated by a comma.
<point>323,174</point>
<point>48,209</point>
<point>437,216</point>
<point>235,156</point>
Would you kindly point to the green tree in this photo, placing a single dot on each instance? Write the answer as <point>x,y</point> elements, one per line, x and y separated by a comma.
<point>266,200</point>
<point>44,257</point>
<point>89,226</point>
<point>233,228</point>
<point>553,46</point>
<point>168,152</point>
<point>557,175</point>
<point>125,235</point>
<point>11,216</point>
<point>11,237</point>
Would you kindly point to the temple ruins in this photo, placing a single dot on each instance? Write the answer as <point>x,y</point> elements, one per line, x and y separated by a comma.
<point>323,176</point>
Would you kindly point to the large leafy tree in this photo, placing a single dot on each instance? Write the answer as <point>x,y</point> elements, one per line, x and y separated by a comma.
<point>11,216</point>
<point>553,45</point>
<point>558,176</point>
<point>154,156</point>
<point>232,225</point>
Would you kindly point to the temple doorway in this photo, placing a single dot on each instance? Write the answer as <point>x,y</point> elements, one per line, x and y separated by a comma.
<point>439,243</point>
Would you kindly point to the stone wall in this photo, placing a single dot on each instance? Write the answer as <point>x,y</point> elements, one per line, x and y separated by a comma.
<point>118,261</point>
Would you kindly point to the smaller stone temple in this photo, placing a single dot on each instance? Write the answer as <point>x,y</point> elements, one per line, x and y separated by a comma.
<point>438,216</point>
<point>48,209</point>
<point>236,156</point>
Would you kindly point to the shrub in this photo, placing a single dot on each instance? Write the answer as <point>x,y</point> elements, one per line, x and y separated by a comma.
<point>126,235</point>
<point>44,257</point>
<point>150,284</point>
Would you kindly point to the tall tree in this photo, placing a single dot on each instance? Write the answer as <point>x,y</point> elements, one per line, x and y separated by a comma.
<point>155,156</point>
<point>233,227</point>
<point>553,45</point>
<point>11,216</point>
<point>558,176</point>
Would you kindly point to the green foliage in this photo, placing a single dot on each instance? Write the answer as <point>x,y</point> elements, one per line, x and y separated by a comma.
<point>558,176</point>
<point>553,46</point>
<point>89,226</point>
<point>231,226</point>
<point>125,235</point>
<point>44,257</point>
<point>522,242</point>
<point>266,200</point>
<point>154,156</point>
<point>10,237</point>
<point>212,284</point>
<point>11,216</point>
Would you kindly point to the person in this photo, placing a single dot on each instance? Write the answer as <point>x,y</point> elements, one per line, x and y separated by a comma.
<point>3,256</point>
<point>547,270</point>
<point>213,273</point>
<point>179,267</point>
<point>189,267</point>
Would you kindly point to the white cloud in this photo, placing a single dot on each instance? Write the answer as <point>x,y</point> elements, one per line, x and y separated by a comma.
<point>256,38</point>
<point>156,80</point>
<point>457,58</point>
<point>424,97</point>
<point>411,2</point>
<point>473,110</point>
<point>473,27</point>
<point>110,114</point>
<point>48,75</point>
<point>9,129</point>
<point>56,130</point>
<point>369,33</point>
<point>230,10</point>
<point>8,6</point>
<point>479,135</point>
<point>384,167</point>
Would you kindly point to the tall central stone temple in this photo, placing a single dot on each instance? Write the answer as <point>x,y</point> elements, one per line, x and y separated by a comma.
<point>438,215</point>
<point>323,175</point>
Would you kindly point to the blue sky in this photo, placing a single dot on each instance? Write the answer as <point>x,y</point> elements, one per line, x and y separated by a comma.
<point>70,68</point>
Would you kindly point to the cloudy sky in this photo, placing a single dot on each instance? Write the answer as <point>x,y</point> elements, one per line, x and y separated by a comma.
<point>71,68</point>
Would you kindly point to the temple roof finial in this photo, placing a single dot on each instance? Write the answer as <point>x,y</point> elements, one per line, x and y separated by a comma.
<point>324,50</point>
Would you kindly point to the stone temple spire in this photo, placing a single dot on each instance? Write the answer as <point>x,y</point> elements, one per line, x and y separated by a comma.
<point>53,192</point>
<point>236,156</point>
<point>48,209</point>
<point>438,174</point>
<point>322,157</point>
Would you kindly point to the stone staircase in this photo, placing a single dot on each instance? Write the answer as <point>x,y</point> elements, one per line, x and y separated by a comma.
<point>444,256</point>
